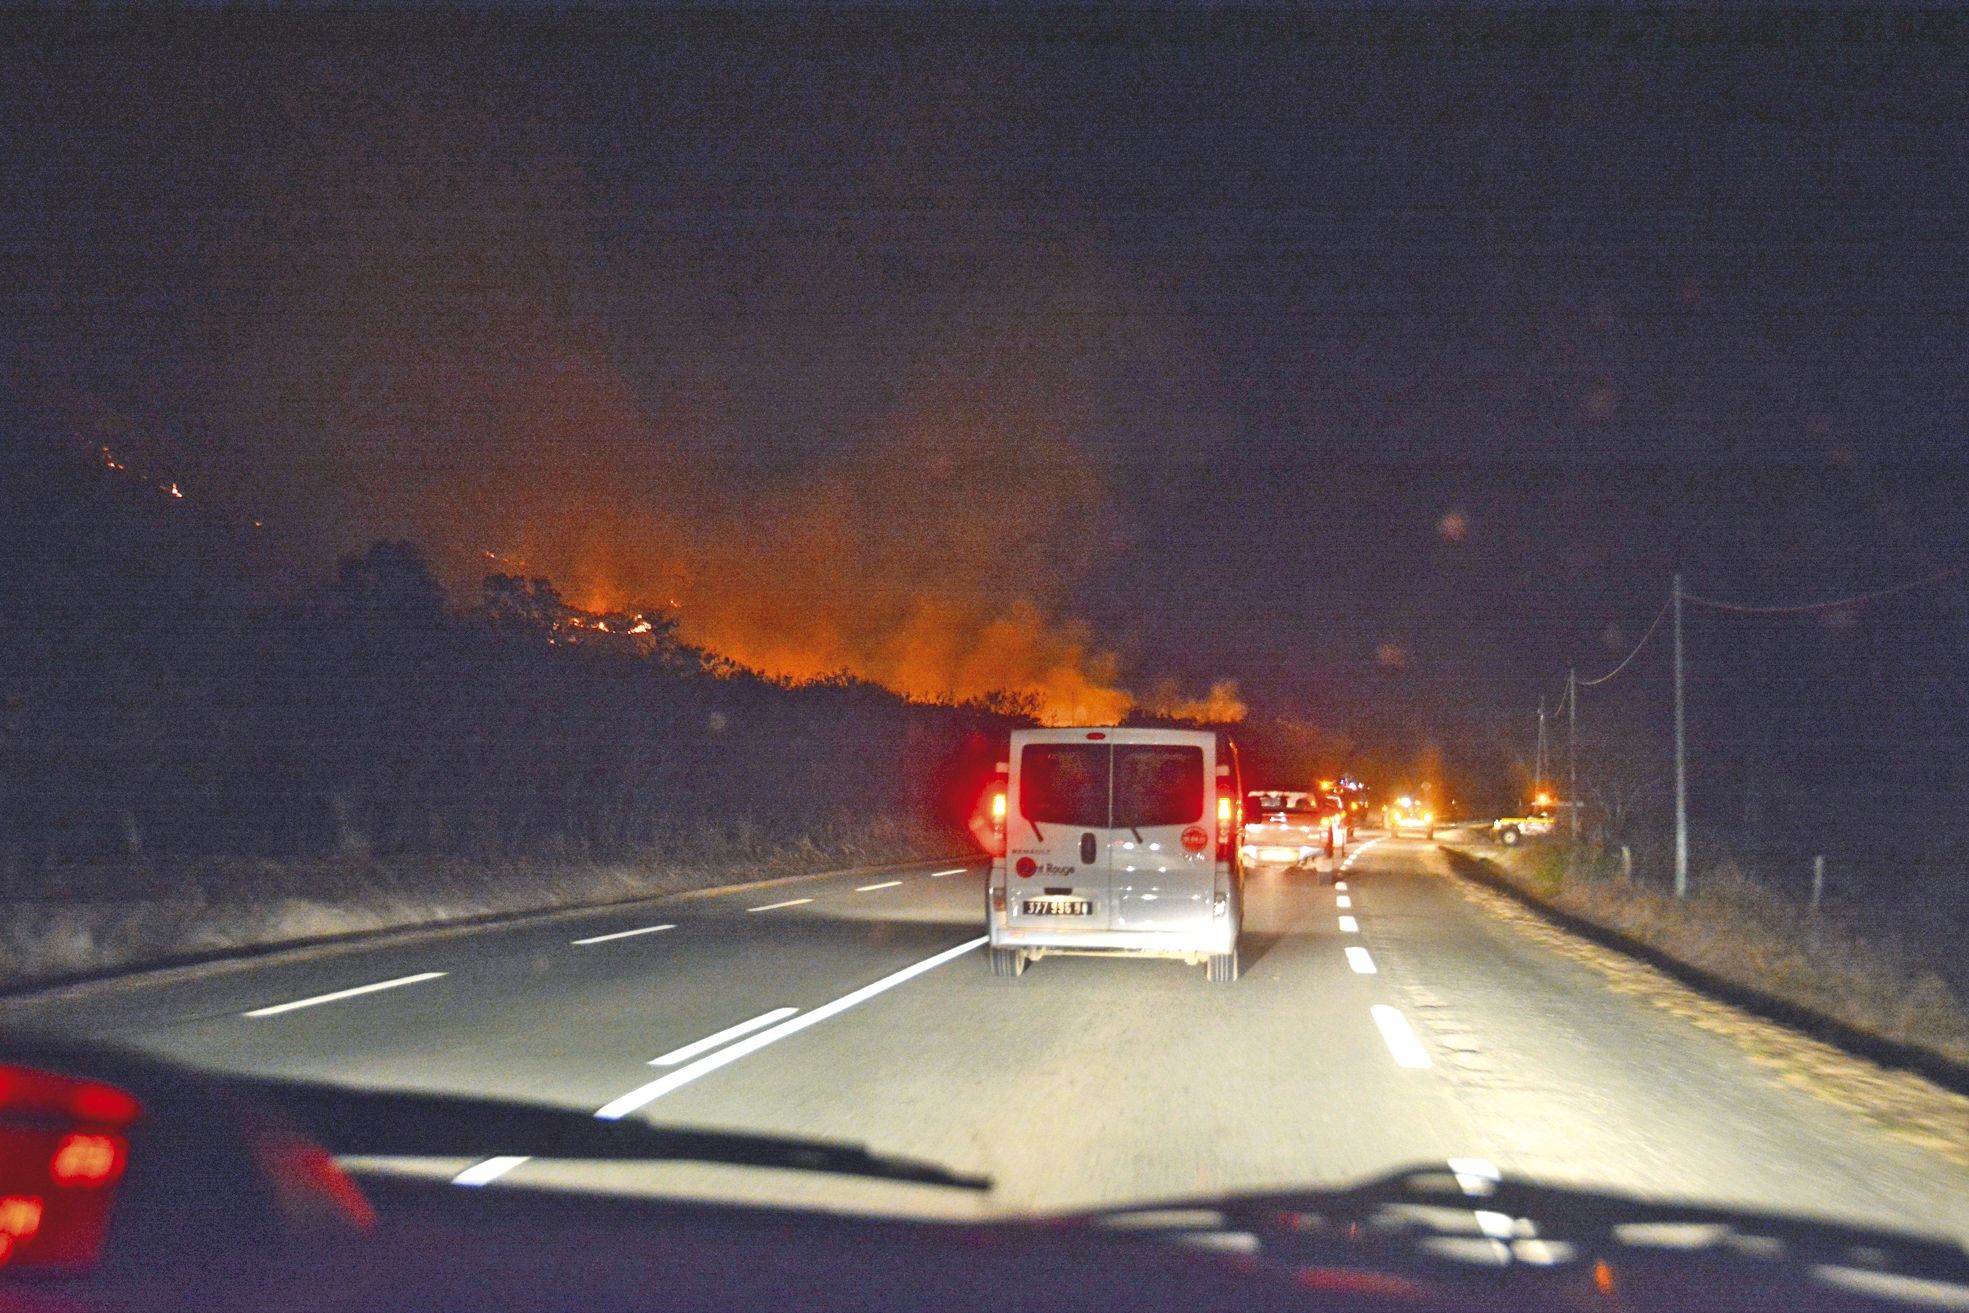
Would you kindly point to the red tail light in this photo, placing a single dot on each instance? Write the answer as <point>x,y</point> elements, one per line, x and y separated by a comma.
<point>1229,821</point>
<point>87,1160</point>
<point>62,1149</point>
<point>987,822</point>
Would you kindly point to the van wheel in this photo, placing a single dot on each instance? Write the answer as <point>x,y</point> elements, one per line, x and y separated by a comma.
<point>1007,962</point>
<point>1222,967</point>
<point>1509,836</point>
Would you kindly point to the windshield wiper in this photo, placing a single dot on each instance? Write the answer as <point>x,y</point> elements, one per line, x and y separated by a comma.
<point>1413,1207</point>
<point>387,1123</point>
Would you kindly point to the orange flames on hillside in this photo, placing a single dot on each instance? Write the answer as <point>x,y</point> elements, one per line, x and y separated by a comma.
<point>924,568</point>
<point>903,493</point>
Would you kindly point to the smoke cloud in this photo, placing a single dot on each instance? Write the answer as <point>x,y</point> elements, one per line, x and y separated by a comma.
<point>873,447</point>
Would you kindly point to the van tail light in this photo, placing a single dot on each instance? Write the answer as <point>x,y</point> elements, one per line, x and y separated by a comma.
<point>1227,808</point>
<point>63,1147</point>
<point>998,898</point>
<point>987,821</point>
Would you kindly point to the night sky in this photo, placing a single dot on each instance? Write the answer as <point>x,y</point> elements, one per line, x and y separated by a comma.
<point>1384,365</point>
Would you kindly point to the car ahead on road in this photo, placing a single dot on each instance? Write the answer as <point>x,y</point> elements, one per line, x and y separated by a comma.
<point>1118,841</point>
<point>128,1183</point>
<point>1284,828</point>
<point>1287,828</point>
<point>1408,816</point>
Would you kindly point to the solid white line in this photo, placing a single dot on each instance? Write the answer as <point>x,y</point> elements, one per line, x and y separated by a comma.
<point>791,902</point>
<point>709,1042</point>
<point>490,1170</point>
<point>886,884</point>
<point>1401,1038</point>
<point>955,870</point>
<point>1349,926</point>
<point>656,1089</point>
<point>1344,900</point>
<point>342,993</point>
<point>1358,959</point>
<point>622,934</point>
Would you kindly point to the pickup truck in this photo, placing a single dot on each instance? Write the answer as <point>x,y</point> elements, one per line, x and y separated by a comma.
<point>1513,830</point>
<point>1286,828</point>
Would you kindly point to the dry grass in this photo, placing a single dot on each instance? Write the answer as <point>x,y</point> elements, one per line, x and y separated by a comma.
<point>133,918</point>
<point>1739,930</point>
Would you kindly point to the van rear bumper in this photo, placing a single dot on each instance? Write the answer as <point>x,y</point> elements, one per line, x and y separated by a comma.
<point>1214,937</point>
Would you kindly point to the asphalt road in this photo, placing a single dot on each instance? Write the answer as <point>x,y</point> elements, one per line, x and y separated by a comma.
<point>1386,1023</point>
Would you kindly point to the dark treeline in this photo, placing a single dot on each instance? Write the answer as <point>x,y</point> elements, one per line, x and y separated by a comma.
<point>164,699</point>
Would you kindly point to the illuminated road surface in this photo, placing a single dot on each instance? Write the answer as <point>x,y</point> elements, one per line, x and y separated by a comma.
<point>1390,1023</point>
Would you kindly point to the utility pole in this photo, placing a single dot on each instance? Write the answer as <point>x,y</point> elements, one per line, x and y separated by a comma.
<point>1538,762</point>
<point>1572,750</point>
<point>1681,761</point>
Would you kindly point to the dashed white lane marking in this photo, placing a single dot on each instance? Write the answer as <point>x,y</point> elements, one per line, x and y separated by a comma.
<point>770,907</point>
<point>656,1089</point>
<point>482,1173</point>
<point>955,870</point>
<point>1344,900</point>
<point>709,1042</point>
<point>1349,926</point>
<point>278,1008</point>
<point>1400,1037</point>
<point>1340,884</point>
<point>1475,1176</point>
<point>622,934</point>
<point>1358,959</point>
<point>886,884</point>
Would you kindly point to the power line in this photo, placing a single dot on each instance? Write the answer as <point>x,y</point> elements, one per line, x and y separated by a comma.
<point>1833,605</point>
<point>1589,683</point>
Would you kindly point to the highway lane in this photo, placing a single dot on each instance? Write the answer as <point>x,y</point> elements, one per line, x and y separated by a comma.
<point>1383,1023</point>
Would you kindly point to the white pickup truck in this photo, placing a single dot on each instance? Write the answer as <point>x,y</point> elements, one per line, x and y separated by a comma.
<point>1540,820</point>
<point>1283,828</point>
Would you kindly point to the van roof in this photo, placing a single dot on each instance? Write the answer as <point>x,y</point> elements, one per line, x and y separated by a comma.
<point>1113,734</point>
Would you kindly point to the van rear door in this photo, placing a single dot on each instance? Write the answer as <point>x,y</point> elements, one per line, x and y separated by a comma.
<point>1163,854</point>
<point>1057,839</point>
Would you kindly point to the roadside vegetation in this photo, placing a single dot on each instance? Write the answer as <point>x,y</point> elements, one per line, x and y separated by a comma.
<point>198,752</point>
<point>1740,929</point>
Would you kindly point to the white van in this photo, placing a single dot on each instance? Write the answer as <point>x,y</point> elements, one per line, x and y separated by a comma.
<point>1118,841</point>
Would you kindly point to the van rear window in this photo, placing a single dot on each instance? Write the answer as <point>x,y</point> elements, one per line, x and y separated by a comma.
<point>1066,783</point>
<point>1156,784</point>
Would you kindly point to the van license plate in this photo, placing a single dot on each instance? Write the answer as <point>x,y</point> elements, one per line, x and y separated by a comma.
<point>1057,907</point>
